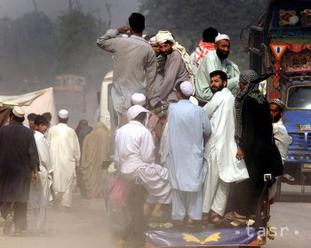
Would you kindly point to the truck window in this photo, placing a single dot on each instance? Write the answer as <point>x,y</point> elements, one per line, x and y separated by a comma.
<point>299,97</point>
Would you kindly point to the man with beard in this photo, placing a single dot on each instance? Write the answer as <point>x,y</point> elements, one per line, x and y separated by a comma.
<point>177,69</point>
<point>221,149</point>
<point>216,60</point>
<point>281,137</point>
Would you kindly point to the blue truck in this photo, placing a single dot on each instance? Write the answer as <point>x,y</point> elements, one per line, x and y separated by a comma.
<point>280,41</point>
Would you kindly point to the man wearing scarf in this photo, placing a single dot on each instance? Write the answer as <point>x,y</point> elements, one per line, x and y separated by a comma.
<point>216,60</point>
<point>177,69</point>
<point>254,136</point>
<point>205,45</point>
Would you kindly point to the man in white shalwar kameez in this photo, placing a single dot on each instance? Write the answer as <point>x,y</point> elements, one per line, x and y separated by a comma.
<point>187,126</point>
<point>134,155</point>
<point>65,156</point>
<point>280,134</point>
<point>40,192</point>
<point>281,138</point>
<point>221,149</point>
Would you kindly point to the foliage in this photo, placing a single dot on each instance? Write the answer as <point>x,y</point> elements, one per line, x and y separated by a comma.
<point>186,19</point>
<point>34,49</point>
<point>27,47</point>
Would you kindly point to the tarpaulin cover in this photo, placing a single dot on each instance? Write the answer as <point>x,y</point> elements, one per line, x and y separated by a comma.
<point>4,115</point>
<point>215,237</point>
<point>37,102</point>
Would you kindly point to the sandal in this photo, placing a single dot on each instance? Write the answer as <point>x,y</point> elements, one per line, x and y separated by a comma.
<point>232,216</point>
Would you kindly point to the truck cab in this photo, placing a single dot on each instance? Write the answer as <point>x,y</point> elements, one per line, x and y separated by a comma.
<point>280,42</point>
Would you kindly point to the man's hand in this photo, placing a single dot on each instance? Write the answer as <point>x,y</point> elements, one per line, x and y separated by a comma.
<point>240,154</point>
<point>123,30</point>
<point>34,177</point>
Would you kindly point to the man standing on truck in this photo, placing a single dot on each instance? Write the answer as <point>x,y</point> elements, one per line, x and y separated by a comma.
<point>220,149</point>
<point>254,136</point>
<point>134,64</point>
<point>205,45</point>
<point>188,124</point>
<point>177,68</point>
<point>281,137</point>
<point>216,60</point>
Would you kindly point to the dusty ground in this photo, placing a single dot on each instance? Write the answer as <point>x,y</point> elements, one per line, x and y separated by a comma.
<point>292,219</point>
<point>86,226</point>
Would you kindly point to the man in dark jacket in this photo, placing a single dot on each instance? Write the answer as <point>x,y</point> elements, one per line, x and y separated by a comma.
<point>254,136</point>
<point>18,166</point>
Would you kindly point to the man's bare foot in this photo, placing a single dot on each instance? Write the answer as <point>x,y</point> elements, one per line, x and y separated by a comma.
<point>158,210</point>
<point>215,218</point>
<point>148,209</point>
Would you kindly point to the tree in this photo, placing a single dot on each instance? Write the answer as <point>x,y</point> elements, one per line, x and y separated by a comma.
<point>34,49</point>
<point>186,19</point>
<point>27,48</point>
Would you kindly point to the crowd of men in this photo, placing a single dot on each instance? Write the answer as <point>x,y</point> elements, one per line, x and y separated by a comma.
<point>40,163</point>
<point>193,129</point>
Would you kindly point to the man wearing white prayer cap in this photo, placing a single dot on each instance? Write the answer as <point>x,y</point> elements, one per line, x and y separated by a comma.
<point>138,99</point>
<point>134,156</point>
<point>213,61</point>
<point>63,114</point>
<point>186,88</point>
<point>18,112</point>
<point>65,156</point>
<point>188,124</point>
<point>220,37</point>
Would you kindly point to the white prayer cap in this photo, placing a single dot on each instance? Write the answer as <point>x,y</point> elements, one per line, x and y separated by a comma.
<point>164,36</point>
<point>221,37</point>
<point>186,88</point>
<point>18,112</point>
<point>153,41</point>
<point>138,99</point>
<point>63,114</point>
<point>134,111</point>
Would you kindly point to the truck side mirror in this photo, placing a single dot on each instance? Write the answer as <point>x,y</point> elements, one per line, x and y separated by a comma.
<point>256,38</point>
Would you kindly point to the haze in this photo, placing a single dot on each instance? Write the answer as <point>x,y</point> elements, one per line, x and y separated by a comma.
<point>120,9</point>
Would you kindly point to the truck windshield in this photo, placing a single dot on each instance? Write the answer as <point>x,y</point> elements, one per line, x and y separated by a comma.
<point>299,97</point>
